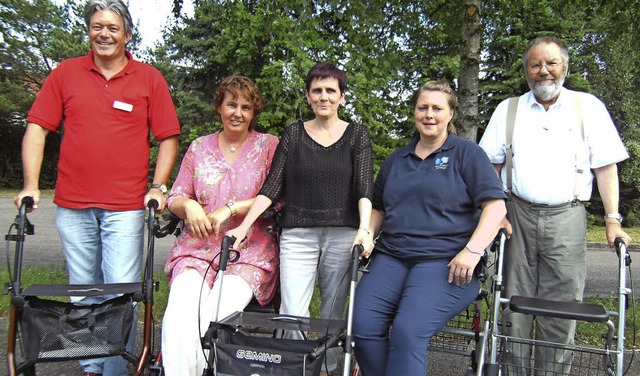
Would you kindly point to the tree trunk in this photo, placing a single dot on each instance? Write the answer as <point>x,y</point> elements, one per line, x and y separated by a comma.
<point>469,71</point>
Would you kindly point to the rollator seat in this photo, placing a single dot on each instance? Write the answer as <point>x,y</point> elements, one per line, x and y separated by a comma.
<point>563,310</point>
<point>83,290</point>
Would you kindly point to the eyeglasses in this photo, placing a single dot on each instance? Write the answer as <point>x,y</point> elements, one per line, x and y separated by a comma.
<point>550,67</point>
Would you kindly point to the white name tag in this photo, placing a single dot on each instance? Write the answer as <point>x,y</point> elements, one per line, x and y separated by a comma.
<point>123,106</point>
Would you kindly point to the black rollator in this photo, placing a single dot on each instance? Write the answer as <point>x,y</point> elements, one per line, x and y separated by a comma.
<point>210,337</point>
<point>50,330</point>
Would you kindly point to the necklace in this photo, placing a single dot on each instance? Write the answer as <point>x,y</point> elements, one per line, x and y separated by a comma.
<point>232,149</point>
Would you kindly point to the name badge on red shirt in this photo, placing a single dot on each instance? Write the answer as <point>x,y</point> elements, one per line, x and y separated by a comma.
<point>123,106</point>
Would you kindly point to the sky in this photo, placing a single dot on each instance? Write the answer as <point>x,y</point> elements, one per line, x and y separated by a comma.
<point>150,16</point>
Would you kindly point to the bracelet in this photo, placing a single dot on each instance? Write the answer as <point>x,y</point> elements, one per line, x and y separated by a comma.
<point>365,230</point>
<point>475,253</point>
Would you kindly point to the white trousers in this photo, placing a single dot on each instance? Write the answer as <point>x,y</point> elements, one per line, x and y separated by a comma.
<point>182,353</point>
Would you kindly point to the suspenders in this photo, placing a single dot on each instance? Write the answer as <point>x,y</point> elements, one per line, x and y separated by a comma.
<point>511,120</point>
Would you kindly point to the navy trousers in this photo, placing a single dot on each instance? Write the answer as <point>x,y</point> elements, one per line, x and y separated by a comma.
<point>398,307</point>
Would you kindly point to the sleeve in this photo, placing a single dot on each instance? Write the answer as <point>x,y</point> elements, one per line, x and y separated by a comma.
<point>274,184</point>
<point>605,145</point>
<point>479,175</point>
<point>272,142</point>
<point>363,163</point>
<point>162,112</point>
<point>493,140</point>
<point>183,185</point>
<point>47,109</point>
<point>381,181</point>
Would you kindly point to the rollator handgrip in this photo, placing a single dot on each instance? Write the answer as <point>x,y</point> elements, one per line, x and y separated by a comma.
<point>622,251</point>
<point>316,352</point>
<point>153,203</point>
<point>27,201</point>
<point>355,261</point>
<point>227,242</point>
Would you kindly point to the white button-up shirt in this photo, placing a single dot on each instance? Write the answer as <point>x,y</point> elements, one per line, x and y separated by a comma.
<point>552,161</point>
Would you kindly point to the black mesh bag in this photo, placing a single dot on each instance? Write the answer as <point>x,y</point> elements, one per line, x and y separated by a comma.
<point>243,354</point>
<point>53,330</point>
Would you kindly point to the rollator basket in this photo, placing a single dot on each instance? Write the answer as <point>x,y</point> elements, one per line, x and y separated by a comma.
<point>53,330</point>
<point>244,349</point>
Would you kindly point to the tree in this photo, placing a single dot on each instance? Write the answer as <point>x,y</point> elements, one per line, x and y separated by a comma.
<point>598,35</point>
<point>35,36</point>
<point>470,70</point>
<point>387,54</point>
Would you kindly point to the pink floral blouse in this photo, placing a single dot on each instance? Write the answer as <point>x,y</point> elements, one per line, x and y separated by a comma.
<point>206,177</point>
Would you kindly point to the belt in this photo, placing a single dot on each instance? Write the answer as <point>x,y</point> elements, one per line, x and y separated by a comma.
<point>534,205</point>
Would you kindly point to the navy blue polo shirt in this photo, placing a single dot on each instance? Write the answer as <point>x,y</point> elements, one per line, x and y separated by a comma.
<point>432,206</point>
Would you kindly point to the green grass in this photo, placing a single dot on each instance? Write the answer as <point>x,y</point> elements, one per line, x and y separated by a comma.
<point>591,333</point>
<point>43,275</point>
<point>597,234</point>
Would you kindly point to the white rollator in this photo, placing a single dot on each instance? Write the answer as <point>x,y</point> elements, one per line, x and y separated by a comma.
<point>606,358</point>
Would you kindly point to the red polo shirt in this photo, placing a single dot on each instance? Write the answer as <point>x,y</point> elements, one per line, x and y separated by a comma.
<point>104,156</point>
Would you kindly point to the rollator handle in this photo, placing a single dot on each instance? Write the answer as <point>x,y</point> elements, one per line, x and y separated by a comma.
<point>227,242</point>
<point>153,204</point>
<point>27,201</point>
<point>622,251</point>
<point>355,261</point>
<point>316,352</point>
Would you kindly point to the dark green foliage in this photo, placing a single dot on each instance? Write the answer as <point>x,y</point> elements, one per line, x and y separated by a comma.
<point>388,48</point>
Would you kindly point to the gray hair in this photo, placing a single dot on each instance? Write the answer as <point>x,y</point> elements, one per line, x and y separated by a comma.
<point>564,52</point>
<point>116,6</point>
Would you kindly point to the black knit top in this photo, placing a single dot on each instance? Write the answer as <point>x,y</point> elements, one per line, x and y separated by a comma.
<point>321,185</point>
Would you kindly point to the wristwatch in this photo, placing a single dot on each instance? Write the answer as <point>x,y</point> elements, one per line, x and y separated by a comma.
<point>161,187</point>
<point>232,208</point>
<point>615,216</point>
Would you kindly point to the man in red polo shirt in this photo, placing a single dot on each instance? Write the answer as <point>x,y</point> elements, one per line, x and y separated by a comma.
<point>106,103</point>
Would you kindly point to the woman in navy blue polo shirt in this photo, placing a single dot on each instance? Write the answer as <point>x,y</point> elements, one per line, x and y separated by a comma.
<point>437,205</point>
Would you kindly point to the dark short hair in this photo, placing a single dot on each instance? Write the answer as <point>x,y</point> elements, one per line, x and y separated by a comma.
<point>443,87</point>
<point>116,6</point>
<point>545,40</point>
<point>324,70</point>
<point>240,86</point>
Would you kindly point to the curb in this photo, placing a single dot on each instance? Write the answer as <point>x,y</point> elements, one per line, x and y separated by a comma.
<point>605,246</point>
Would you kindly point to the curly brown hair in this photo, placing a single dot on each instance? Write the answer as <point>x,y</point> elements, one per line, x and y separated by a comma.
<point>244,86</point>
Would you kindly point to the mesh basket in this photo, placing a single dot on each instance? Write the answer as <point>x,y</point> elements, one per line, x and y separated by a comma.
<point>53,330</point>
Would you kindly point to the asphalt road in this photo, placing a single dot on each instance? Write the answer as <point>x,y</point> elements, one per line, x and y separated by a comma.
<point>44,249</point>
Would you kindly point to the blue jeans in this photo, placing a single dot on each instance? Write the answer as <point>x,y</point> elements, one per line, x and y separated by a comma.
<point>310,254</point>
<point>414,301</point>
<point>102,246</point>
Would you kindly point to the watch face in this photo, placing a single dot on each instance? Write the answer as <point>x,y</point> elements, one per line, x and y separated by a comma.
<point>616,217</point>
<point>161,187</point>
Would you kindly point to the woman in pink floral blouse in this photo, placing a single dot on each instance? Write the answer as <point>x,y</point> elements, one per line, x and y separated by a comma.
<point>219,178</point>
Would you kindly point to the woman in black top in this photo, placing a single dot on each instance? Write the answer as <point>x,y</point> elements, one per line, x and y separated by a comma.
<point>323,168</point>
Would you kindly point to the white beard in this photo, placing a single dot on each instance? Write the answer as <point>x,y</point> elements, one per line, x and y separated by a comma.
<point>546,90</point>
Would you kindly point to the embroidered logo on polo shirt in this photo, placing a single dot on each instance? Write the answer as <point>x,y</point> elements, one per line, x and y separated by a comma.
<point>442,163</point>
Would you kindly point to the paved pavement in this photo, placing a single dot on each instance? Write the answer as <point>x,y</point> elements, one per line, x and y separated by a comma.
<point>44,249</point>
